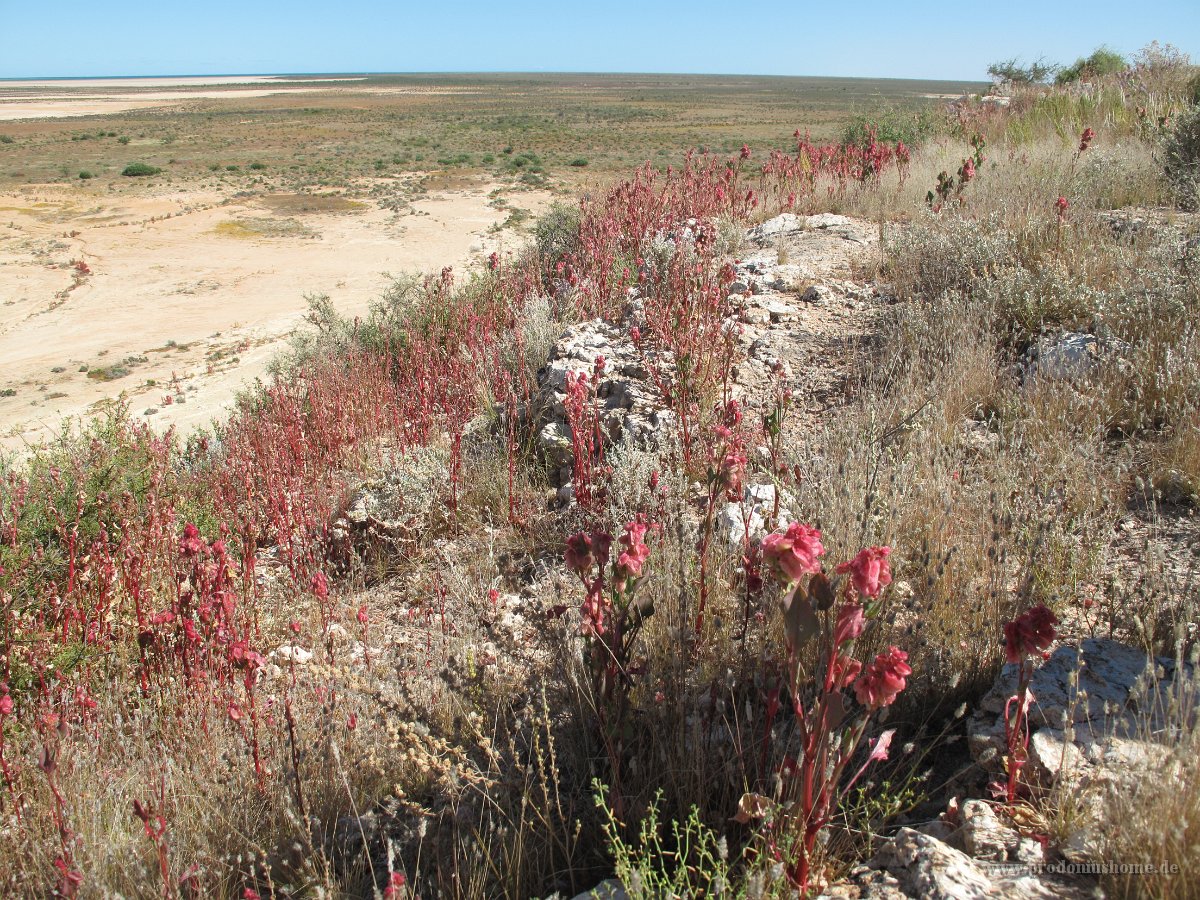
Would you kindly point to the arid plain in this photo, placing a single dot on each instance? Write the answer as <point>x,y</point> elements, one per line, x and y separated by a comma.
<point>172,290</point>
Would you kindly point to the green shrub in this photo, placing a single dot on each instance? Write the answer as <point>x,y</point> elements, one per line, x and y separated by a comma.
<point>891,123</point>
<point>579,162</point>
<point>123,139</point>
<point>257,166</point>
<point>1103,61</point>
<point>138,170</point>
<point>556,233</point>
<point>6,139</point>
<point>1181,159</point>
<point>1009,71</point>
<point>84,175</point>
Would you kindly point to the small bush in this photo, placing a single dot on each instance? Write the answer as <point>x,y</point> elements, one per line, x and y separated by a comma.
<point>1181,162</point>
<point>890,123</point>
<point>1009,71</point>
<point>579,162</point>
<point>139,170</point>
<point>556,233</point>
<point>84,175</point>
<point>6,139</point>
<point>257,166</point>
<point>1103,61</point>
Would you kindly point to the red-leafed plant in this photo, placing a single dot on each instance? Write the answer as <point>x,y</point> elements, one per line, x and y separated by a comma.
<point>832,694</point>
<point>613,616</point>
<point>1026,638</point>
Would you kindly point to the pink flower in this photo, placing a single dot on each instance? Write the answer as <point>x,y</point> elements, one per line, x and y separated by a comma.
<point>579,557</point>
<point>6,705</point>
<point>850,624</point>
<point>320,585</point>
<point>845,670</point>
<point>1085,139</point>
<point>745,153</point>
<point>732,472</point>
<point>879,749</point>
<point>593,609</point>
<point>869,570</point>
<point>795,552</point>
<point>1029,634</point>
<point>883,679</point>
<point>395,883</point>
<point>635,554</point>
<point>1060,206</point>
<point>191,544</point>
<point>361,615</point>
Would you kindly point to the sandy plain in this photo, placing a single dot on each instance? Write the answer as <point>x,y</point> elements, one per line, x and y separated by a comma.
<point>188,294</point>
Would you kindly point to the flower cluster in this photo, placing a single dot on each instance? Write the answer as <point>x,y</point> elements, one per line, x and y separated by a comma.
<point>831,732</point>
<point>883,680</point>
<point>1030,634</point>
<point>1027,637</point>
<point>794,553</point>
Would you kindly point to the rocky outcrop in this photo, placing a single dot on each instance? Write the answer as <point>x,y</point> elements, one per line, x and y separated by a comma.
<point>783,300</point>
<point>1095,711</point>
<point>628,402</point>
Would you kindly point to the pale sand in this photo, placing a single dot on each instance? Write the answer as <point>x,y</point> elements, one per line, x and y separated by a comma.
<point>175,81</point>
<point>22,100</point>
<point>182,279</point>
<point>60,106</point>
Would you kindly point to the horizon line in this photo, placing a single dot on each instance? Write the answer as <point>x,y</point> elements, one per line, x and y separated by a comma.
<point>300,74</point>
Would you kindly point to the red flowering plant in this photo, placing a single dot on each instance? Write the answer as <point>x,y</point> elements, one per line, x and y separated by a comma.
<point>832,694</point>
<point>1026,638</point>
<point>612,618</point>
<point>725,477</point>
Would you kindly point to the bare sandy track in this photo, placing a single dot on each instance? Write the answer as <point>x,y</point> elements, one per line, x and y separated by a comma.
<point>197,300</point>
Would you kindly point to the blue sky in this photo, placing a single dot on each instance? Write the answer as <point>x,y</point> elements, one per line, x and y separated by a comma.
<point>898,38</point>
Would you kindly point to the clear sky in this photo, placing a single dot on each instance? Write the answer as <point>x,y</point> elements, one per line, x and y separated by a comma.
<point>897,38</point>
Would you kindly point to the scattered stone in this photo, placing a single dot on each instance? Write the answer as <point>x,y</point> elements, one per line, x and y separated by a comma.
<point>555,441</point>
<point>785,224</point>
<point>1069,356</point>
<point>926,867</point>
<point>1094,705</point>
<point>290,653</point>
<point>818,295</point>
<point>755,508</point>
